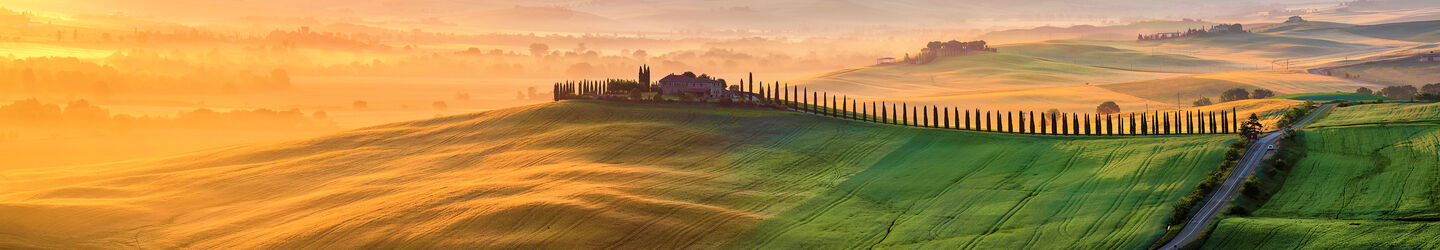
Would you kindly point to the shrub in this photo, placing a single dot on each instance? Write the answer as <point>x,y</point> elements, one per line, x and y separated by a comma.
<point>1203,101</point>
<point>1108,107</point>
<point>1399,92</point>
<point>1234,94</point>
<point>1261,94</point>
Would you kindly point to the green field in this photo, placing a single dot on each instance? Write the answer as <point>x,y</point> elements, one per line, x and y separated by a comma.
<point>1406,72</point>
<point>1383,113</point>
<point>1369,180</point>
<point>1331,96</point>
<point>1111,57</point>
<point>589,174</point>
<point>1272,46</point>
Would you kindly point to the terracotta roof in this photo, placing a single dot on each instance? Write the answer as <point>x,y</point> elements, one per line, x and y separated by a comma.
<point>685,79</point>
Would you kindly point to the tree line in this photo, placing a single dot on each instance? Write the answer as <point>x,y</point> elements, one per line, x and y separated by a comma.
<point>802,99</point>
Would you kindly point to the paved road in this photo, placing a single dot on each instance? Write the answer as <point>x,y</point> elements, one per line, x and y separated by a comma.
<point>1242,171</point>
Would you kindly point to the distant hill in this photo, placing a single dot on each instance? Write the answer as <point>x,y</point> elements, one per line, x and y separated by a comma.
<point>1111,57</point>
<point>1112,32</point>
<point>1301,26</point>
<point>1268,45</point>
<point>1190,88</point>
<point>1421,31</point>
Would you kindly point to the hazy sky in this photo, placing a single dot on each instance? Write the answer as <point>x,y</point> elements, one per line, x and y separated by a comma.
<point>719,14</point>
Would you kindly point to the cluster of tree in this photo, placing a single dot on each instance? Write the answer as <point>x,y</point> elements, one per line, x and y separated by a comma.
<point>1219,29</point>
<point>1237,94</point>
<point>82,114</point>
<point>1294,114</point>
<point>936,50</point>
<point>124,73</point>
<point>1427,92</point>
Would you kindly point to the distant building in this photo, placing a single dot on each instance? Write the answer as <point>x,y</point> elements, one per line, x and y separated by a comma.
<point>694,86</point>
<point>1430,57</point>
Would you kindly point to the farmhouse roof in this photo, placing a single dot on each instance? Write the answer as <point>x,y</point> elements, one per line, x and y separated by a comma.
<point>686,79</point>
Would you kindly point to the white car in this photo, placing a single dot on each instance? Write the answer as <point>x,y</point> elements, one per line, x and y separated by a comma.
<point>1271,147</point>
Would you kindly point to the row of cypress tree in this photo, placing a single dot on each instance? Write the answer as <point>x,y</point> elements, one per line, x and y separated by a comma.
<point>929,116</point>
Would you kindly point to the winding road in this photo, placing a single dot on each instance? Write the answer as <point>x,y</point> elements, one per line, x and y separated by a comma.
<point>1242,171</point>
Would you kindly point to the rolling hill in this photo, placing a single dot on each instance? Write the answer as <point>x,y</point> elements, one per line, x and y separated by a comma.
<point>1367,180</point>
<point>586,174</point>
<point>989,80</point>
<point>1190,88</point>
<point>1111,57</point>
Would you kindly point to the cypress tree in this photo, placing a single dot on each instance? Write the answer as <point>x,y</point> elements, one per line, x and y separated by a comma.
<point>904,114</point>
<point>1009,122</point>
<point>915,114</point>
<point>835,106</point>
<point>775,95</point>
<point>989,122</point>
<point>967,120</point>
<point>1088,130</point>
<point>1224,123</point>
<point>1132,124</point>
<point>928,117</point>
<point>884,114</point>
<point>1189,122</point>
<point>1064,124</point>
<point>1075,119</point>
<point>1043,122</point>
<point>1167,121</point>
<point>1021,129</point>
<point>936,119</point>
<point>947,117</point>
<point>1109,125</point>
<point>804,99</point>
<point>894,114</point>
<point>957,118</point>
<point>1053,129</point>
<point>785,98</point>
<point>1215,126</point>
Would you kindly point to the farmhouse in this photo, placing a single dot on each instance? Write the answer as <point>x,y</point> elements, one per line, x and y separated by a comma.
<point>694,86</point>
<point>1430,57</point>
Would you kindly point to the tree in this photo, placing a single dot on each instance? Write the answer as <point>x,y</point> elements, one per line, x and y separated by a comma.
<point>1132,122</point>
<point>1399,92</point>
<point>539,49</point>
<point>1261,94</point>
<point>1364,90</point>
<point>692,75</point>
<point>1234,94</point>
<point>1203,101</point>
<point>1108,107</point>
<point>1252,127</point>
<point>1433,88</point>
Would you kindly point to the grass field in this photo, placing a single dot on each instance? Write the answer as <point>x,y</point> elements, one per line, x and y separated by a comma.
<point>580,174</point>
<point>969,74</point>
<point>1190,88</point>
<point>1111,57</point>
<point>989,81</point>
<point>1383,113</point>
<point>1406,72</point>
<point>1331,96</point>
<point>1368,180</point>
